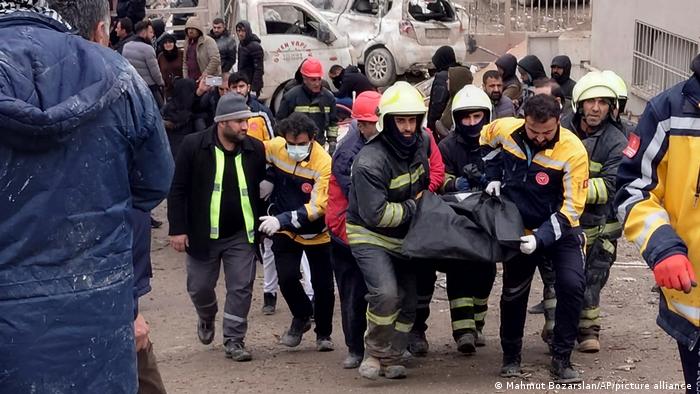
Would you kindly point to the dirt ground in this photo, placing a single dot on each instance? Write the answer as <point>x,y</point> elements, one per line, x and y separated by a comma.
<point>634,349</point>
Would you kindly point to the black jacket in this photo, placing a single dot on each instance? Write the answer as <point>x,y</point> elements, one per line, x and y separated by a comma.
<point>318,107</point>
<point>439,97</point>
<point>251,58</point>
<point>120,45</point>
<point>462,159</point>
<point>352,80</point>
<point>132,9</point>
<point>190,194</point>
<point>227,50</point>
<point>533,66</point>
<point>604,148</point>
<point>565,81</point>
<point>383,192</point>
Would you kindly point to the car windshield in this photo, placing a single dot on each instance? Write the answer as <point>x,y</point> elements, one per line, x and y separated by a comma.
<point>336,6</point>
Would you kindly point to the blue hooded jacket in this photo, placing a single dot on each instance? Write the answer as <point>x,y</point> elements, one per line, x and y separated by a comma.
<point>81,143</point>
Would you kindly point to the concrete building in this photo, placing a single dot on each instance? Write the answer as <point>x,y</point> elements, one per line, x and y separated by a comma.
<point>650,43</point>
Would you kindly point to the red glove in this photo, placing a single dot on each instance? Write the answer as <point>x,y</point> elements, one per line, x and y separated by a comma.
<point>675,272</point>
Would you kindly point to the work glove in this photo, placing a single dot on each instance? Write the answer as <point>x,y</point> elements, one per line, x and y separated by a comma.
<point>494,188</point>
<point>675,272</point>
<point>528,244</point>
<point>462,184</point>
<point>269,225</point>
<point>266,188</point>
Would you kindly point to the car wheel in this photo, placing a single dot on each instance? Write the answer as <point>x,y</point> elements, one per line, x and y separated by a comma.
<point>380,68</point>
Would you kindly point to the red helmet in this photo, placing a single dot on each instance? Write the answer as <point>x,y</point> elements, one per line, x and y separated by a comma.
<point>312,68</point>
<point>365,106</point>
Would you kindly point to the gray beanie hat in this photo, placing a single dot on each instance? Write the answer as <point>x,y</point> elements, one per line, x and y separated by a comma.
<point>232,106</point>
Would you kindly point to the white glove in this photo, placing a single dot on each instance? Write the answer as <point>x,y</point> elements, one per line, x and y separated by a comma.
<point>528,244</point>
<point>266,188</point>
<point>493,188</point>
<point>269,226</point>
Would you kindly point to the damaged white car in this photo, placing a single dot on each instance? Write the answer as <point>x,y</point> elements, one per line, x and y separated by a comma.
<point>389,38</point>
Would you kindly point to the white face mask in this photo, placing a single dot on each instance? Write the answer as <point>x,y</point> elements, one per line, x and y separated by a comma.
<point>298,152</point>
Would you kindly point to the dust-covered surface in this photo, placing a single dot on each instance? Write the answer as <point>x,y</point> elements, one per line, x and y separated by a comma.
<point>634,349</point>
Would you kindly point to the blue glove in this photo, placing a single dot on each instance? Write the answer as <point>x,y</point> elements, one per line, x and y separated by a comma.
<point>462,184</point>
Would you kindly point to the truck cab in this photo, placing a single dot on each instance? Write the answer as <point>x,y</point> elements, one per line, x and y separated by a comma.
<point>289,31</point>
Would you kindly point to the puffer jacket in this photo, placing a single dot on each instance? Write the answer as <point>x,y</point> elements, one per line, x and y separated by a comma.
<point>604,149</point>
<point>251,58</point>
<point>227,49</point>
<point>383,195</point>
<point>143,57</point>
<point>79,151</point>
<point>658,185</point>
<point>208,57</point>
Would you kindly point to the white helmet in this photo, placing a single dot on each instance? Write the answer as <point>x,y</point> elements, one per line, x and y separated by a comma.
<point>595,84</point>
<point>471,97</point>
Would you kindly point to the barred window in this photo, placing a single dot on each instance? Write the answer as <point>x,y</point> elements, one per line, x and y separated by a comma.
<point>660,59</point>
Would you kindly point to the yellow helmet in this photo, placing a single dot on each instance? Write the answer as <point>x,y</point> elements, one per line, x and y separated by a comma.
<point>617,83</point>
<point>471,97</point>
<point>400,99</point>
<point>593,85</point>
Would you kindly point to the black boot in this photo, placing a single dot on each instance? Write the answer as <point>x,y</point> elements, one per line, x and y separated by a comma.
<point>270,303</point>
<point>563,372</point>
<point>205,331</point>
<point>511,366</point>
<point>292,337</point>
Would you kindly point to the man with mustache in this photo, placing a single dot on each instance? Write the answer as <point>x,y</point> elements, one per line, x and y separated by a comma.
<point>594,100</point>
<point>543,169</point>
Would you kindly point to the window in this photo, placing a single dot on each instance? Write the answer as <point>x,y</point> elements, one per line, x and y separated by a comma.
<point>287,19</point>
<point>426,10</point>
<point>660,59</point>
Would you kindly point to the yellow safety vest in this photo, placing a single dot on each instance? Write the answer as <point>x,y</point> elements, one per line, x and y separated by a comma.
<point>215,206</point>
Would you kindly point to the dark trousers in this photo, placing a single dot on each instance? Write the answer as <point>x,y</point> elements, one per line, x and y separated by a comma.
<point>238,259</point>
<point>391,299</point>
<point>287,260</point>
<point>690,359</point>
<point>568,262</point>
<point>155,90</point>
<point>352,291</point>
<point>468,289</point>
<point>150,381</point>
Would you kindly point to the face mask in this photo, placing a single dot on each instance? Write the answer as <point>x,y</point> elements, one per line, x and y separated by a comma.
<point>298,152</point>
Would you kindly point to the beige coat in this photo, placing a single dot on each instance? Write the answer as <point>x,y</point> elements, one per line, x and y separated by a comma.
<point>208,56</point>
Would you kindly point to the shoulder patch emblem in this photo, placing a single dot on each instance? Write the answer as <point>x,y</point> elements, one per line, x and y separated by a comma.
<point>632,146</point>
<point>542,178</point>
<point>307,188</point>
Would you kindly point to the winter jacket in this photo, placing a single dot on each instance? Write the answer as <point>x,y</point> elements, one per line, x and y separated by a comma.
<point>318,107</point>
<point>300,195</point>
<point>339,186</point>
<point>439,97</point>
<point>353,81</point>
<point>170,69</point>
<point>227,49</point>
<point>143,57</point>
<point>208,57</point>
<point>141,255</point>
<point>251,58</point>
<point>604,149</point>
<point>119,47</point>
<point>534,68</point>
<point>547,184</point>
<point>190,197</point>
<point>132,9</point>
<point>565,81</point>
<point>504,108</point>
<point>462,158</point>
<point>512,87</point>
<point>79,151</point>
<point>382,199</point>
<point>658,186</point>
<point>458,77</point>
